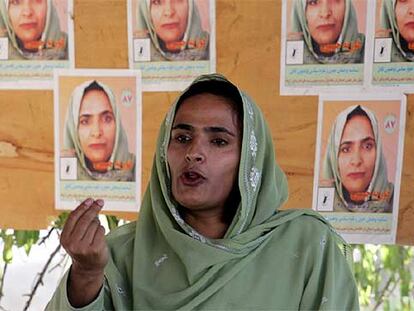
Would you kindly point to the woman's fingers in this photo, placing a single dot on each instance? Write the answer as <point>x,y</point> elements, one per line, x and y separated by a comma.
<point>83,223</point>
<point>90,232</point>
<point>81,227</point>
<point>74,217</point>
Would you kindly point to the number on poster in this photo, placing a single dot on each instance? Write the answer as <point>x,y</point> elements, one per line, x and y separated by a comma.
<point>68,168</point>
<point>142,50</point>
<point>382,50</point>
<point>325,199</point>
<point>294,53</point>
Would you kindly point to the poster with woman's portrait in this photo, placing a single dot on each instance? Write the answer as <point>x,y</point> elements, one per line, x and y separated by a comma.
<point>323,45</point>
<point>358,164</point>
<point>171,41</point>
<point>36,37</point>
<point>393,57</point>
<point>98,138</point>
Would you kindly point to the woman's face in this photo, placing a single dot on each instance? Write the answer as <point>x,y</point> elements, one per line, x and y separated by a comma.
<point>169,18</point>
<point>357,154</point>
<point>96,127</point>
<point>325,19</point>
<point>28,18</point>
<point>404,13</point>
<point>204,152</point>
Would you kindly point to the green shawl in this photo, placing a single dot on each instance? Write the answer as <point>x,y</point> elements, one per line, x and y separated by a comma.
<point>267,260</point>
<point>399,50</point>
<point>71,143</point>
<point>193,34</point>
<point>51,36</point>
<point>349,34</point>
<point>379,182</point>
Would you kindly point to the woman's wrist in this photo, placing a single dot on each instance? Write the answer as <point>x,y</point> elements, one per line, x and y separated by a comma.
<point>83,285</point>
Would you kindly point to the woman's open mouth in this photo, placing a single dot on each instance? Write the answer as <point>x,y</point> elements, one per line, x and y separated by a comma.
<point>192,178</point>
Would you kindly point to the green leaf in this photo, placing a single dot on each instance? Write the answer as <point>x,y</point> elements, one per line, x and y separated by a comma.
<point>112,222</point>
<point>20,237</point>
<point>8,249</point>
<point>60,221</point>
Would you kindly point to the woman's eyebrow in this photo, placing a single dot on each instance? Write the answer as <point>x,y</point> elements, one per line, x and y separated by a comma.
<point>218,129</point>
<point>183,126</point>
<point>209,129</point>
<point>368,138</point>
<point>87,114</point>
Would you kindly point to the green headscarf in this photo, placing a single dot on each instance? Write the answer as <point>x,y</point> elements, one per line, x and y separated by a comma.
<point>120,153</point>
<point>267,260</point>
<point>399,50</point>
<point>195,40</point>
<point>54,40</point>
<point>379,182</point>
<point>349,34</point>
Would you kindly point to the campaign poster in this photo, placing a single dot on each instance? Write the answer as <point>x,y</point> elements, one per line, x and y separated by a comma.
<point>358,164</point>
<point>323,46</point>
<point>393,55</point>
<point>36,37</point>
<point>98,127</point>
<point>171,42</point>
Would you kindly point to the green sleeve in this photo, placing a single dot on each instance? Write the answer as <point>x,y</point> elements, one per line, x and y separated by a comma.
<point>60,300</point>
<point>331,284</point>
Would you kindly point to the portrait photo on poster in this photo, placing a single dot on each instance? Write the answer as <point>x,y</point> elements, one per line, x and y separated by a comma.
<point>171,41</point>
<point>98,137</point>
<point>36,37</point>
<point>394,44</point>
<point>358,164</point>
<point>323,45</point>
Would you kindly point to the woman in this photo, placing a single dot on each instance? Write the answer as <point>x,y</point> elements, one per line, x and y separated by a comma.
<point>330,31</point>
<point>94,134</point>
<point>209,235</point>
<point>174,27</point>
<point>398,17</point>
<point>33,30</point>
<point>355,164</point>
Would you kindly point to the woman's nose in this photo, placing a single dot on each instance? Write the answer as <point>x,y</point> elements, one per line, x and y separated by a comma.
<point>27,9</point>
<point>194,157</point>
<point>195,153</point>
<point>356,158</point>
<point>410,9</point>
<point>169,8</point>
<point>325,9</point>
<point>96,129</point>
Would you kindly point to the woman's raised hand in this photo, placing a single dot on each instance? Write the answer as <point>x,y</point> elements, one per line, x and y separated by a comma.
<point>83,238</point>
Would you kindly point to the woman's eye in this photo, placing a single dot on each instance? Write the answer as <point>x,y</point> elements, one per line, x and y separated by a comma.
<point>312,2</point>
<point>83,121</point>
<point>219,142</point>
<point>345,149</point>
<point>14,2</point>
<point>368,146</point>
<point>183,139</point>
<point>156,2</point>
<point>108,119</point>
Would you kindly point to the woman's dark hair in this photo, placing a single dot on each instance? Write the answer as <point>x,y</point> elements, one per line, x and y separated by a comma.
<point>94,86</point>
<point>358,111</point>
<point>218,88</point>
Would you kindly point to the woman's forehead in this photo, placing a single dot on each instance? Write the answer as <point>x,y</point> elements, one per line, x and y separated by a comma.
<point>203,103</point>
<point>94,100</point>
